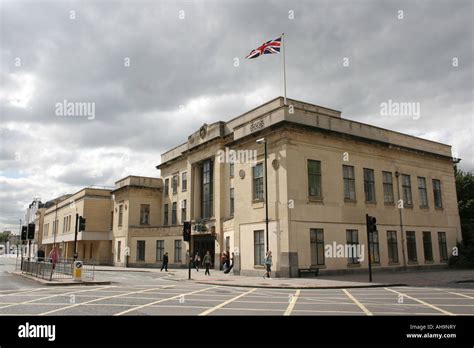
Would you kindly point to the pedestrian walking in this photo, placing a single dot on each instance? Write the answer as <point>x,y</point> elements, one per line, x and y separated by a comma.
<point>54,256</point>
<point>207,262</point>
<point>268,265</point>
<point>231,264</point>
<point>197,261</point>
<point>165,262</point>
<point>225,261</point>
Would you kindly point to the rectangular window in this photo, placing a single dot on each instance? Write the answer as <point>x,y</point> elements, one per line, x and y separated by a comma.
<point>374,247</point>
<point>120,215</point>
<point>119,250</point>
<point>314,179</point>
<point>174,214</point>
<point>227,244</point>
<point>140,250</point>
<point>167,183</point>
<point>183,210</point>
<point>392,246</point>
<point>184,181</point>
<point>387,187</point>
<point>257,173</point>
<point>177,250</point>
<point>437,193</point>
<point>349,182</point>
<point>258,247</point>
<point>160,250</point>
<point>369,185</point>
<point>411,246</point>
<point>90,251</point>
<point>316,237</point>
<point>111,220</point>
<point>166,217</point>
<point>406,188</point>
<point>175,181</point>
<point>144,214</point>
<point>422,192</point>
<point>352,237</point>
<point>427,247</point>
<point>231,169</point>
<point>443,247</point>
<point>207,194</point>
<point>231,202</point>
<point>45,229</point>
<point>64,224</point>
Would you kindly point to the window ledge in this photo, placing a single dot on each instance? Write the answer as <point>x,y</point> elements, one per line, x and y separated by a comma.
<point>371,202</point>
<point>412,262</point>
<point>409,206</point>
<point>436,208</point>
<point>429,262</point>
<point>394,263</point>
<point>348,200</point>
<point>389,203</point>
<point>353,265</point>
<point>424,207</point>
<point>312,199</point>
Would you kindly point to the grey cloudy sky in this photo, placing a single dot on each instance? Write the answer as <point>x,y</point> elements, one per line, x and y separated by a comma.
<point>182,74</point>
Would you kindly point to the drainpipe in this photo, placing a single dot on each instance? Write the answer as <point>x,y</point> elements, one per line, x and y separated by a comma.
<point>397,174</point>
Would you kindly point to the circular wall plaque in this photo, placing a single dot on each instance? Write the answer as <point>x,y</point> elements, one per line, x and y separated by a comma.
<point>242,173</point>
<point>275,164</point>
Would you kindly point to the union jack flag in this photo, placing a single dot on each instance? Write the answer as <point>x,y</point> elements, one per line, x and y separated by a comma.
<point>269,47</point>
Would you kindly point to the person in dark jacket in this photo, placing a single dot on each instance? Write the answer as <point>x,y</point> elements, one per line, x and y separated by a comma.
<point>207,262</point>
<point>165,262</point>
<point>40,255</point>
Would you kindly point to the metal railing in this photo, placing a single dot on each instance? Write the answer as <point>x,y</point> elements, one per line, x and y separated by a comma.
<point>63,269</point>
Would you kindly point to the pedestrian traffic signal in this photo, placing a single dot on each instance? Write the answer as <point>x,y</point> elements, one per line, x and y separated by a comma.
<point>187,231</point>
<point>82,223</point>
<point>23,232</point>
<point>31,231</point>
<point>371,223</point>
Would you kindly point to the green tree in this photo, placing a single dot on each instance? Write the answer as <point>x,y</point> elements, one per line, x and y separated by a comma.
<point>465,194</point>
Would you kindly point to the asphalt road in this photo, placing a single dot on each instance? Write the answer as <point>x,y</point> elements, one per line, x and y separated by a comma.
<point>143,293</point>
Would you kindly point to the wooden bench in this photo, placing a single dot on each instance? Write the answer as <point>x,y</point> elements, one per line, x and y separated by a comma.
<point>314,271</point>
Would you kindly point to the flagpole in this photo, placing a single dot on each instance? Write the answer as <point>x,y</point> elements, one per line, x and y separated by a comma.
<point>284,68</point>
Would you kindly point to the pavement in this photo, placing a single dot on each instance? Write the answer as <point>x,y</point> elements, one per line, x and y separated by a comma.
<point>436,278</point>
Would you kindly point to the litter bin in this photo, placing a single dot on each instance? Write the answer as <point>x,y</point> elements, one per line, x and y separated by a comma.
<point>77,272</point>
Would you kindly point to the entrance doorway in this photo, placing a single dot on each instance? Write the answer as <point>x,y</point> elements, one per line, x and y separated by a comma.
<point>202,244</point>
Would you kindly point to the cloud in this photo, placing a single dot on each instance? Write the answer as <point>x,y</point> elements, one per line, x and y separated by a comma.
<point>155,77</point>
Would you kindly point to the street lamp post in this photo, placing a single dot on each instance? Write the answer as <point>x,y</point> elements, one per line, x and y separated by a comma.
<point>260,141</point>
<point>400,207</point>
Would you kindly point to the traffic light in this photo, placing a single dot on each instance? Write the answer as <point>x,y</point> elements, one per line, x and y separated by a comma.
<point>23,232</point>
<point>31,231</point>
<point>82,223</point>
<point>187,231</point>
<point>371,223</point>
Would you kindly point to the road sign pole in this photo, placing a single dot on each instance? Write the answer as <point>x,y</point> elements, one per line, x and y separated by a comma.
<point>75,237</point>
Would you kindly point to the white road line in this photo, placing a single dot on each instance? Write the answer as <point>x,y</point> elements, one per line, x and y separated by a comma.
<point>456,293</point>
<point>22,292</point>
<point>421,301</point>
<point>210,310</point>
<point>163,300</point>
<point>103,298</point>
<point>292,304</point>
<point>51,296</point>
<point>361,306</point>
